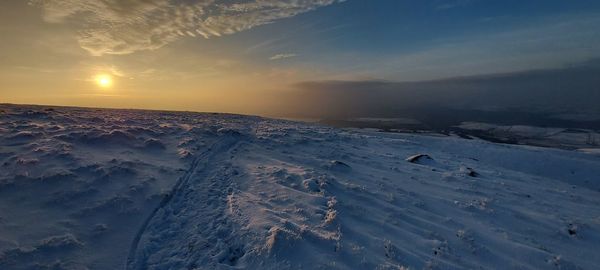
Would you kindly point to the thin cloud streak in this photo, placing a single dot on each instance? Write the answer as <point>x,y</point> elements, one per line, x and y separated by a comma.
<point>282,56</point>
<point>452,4</point>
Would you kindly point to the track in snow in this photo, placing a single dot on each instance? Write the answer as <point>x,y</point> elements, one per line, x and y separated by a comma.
<point>204,182</point>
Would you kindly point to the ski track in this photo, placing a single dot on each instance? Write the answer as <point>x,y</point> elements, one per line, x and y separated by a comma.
<point>200,184</point>
<point>198,164</point>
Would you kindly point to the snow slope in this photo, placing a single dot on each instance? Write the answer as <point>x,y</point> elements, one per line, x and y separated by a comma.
<point>119,189</point>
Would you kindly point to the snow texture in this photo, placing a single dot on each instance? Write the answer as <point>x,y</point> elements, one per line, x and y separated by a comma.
<point>124,189</point>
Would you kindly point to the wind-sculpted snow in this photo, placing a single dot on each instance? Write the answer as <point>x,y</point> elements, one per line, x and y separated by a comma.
<point>93,175</point>
<point>121,189</point>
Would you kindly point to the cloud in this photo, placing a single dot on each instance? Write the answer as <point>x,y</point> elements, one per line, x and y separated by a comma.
<point>282,56</point>
<point>127,26</point>
<point>564,90</point>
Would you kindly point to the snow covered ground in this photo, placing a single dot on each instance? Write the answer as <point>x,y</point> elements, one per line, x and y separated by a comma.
<point>567,138</point>
<point>119,189</point>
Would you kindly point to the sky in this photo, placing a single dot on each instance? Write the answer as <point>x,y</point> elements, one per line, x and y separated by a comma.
<point>256,56</point>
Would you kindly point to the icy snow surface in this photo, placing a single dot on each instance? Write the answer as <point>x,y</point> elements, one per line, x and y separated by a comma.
<point>122,189</point>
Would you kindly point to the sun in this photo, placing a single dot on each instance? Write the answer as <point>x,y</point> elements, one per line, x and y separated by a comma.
<point>104,80</point>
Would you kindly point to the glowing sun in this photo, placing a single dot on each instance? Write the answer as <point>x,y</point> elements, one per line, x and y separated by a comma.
<point>104,80</point>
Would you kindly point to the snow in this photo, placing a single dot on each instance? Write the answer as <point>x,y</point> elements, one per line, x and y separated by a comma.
<point>542,136</point>
<point>389,120</point>
<point>123,189</point>
<point>591,151</point>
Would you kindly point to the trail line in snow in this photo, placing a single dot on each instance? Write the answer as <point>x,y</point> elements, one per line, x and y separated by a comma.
<point>198,164</point>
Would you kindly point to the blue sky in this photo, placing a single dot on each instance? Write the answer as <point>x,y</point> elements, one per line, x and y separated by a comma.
<point>372,37</point>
